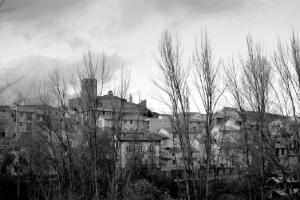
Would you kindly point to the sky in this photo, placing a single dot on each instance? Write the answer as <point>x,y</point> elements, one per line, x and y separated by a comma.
<point>38,36</point>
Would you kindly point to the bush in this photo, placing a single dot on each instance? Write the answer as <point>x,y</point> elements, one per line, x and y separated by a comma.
<point>143,190</point>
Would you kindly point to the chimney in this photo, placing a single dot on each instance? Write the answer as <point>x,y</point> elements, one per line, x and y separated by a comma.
<point>110,93</point>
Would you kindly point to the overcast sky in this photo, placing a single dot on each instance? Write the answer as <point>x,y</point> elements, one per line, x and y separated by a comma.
<point>37,36</point>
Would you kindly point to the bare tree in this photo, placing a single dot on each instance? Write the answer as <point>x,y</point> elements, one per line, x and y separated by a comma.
<point>234,85</point>
<point>58,88</point>
<point>233,79</point>
<point>256,85</point>
<point>118,120</point>
<point>90,69</point>
<point>175,86</point>
<point>206,84</point>
<point>287,65</point>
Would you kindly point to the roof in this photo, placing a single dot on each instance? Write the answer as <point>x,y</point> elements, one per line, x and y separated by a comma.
<point>4,108</point>
<point>139,137</point>
<point>164,133</point>
<point>269,116</point>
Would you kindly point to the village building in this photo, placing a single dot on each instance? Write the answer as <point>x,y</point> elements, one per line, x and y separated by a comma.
<point>111,109</point>
<point>23,122</point>
<point>141,148</point>
<point>171,155</point>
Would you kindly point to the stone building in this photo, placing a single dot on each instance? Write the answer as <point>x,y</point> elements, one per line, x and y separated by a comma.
<point>141,148</point>
<point>171,155</point>
<point>112,110</point>
<point>22,123</point>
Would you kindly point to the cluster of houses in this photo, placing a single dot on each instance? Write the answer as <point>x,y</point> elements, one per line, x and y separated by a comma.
<point>145,131</point>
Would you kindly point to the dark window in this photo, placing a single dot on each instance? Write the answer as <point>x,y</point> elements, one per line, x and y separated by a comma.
<point>128,148</point>
<point>277,152</point>
<point>2,134</point>
<point>130,121</point>
<point>29,116</point>
<point>13,115</point>
<point>151,159</point>
<point>282,151</point>
<point>151,148</point>
<point>174,162</point>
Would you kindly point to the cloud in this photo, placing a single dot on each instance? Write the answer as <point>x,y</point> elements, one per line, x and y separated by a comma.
<point>76,20</point>
<point>25,76</point>
<point>50,33</point>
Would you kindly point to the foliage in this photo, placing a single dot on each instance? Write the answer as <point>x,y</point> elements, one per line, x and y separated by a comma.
<point>142,190</point>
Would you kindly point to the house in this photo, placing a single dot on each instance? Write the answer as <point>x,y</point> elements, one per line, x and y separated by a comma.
<point>227,148</point>
<point>171,154</point>
<point>230,132</point>
<point>6,130</point>
<point>144,148</point>
<point>24,122</point>
<point>285,142</point>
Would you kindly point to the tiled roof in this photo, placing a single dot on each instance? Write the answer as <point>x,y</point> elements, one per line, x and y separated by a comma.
<point>139,137</point>
<point>4,107</point>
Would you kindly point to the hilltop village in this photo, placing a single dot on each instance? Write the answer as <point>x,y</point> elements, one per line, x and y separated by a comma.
<point>133,134</point>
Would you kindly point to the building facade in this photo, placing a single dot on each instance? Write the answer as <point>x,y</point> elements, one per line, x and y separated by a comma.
<point>112,111</point>
<point>140,148</point>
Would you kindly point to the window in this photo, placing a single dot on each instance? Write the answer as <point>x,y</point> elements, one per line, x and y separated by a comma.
<point>151,159</point>
<point>2,134</point>
<point>29,116</point>
<point>13,115</point>
<point>140,148</point>
<point>277,152</point>
<point>130,121</point>
<point>151,148</point>
<point>28,127</point>
<point>128,148</point>
<point>282,151</point>
<point>174,162</point>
